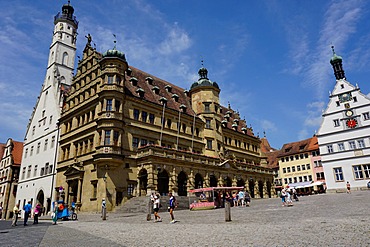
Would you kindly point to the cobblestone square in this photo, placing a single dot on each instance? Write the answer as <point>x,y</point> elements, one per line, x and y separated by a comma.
<point>319,220</point>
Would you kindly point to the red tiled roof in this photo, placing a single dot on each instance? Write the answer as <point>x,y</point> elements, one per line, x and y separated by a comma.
<point>270,153</point>
<point>149,95</point>
<point>296,147</point>
<point>17,152</point>
<point>183,99</point>
<point>2,150</point>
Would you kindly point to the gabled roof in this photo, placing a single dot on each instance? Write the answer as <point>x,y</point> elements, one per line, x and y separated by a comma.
<point>2,149</point>
<point>150,96</point>
<point>296,147</point>
<point>17,152</point>
<point>270,153</point>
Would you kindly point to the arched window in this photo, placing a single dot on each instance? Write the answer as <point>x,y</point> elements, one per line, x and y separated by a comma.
<point>65,58</point>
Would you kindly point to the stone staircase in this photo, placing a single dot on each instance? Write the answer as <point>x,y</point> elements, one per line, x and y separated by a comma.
<point>140,204</point>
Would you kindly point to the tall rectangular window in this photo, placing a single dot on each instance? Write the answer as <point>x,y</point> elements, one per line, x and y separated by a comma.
<point>109,105</point>
<point>338,174</point>
<point>35,171</point>
<point>341,146</point>
<point>38,147</point>
<point>29,171</point>
<point>352,145</point>
<point>110,79</point>
<point>208,123</point>
<point>135,142</point>
<point>52,142</point>
<point>144,116</point>
<point>136,114</point>
<point>46,145</point>
<point>107,137</point>
<point>330,148</point>
<point>25,153</point>
<point>115,137</point>
<point>357,171</point>
<point>366,115</point>
<point>117,105</point>
<point>209,144</point>
<point>367,171</point>
<point>336,122</point>
<point>143,142</point>
<point>151,118</point>
<point>360,143</point>
<point>207,107</point>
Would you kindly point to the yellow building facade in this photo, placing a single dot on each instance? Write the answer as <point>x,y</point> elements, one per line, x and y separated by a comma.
<point>126,133</point>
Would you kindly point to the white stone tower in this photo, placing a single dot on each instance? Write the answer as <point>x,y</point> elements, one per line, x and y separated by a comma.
<point>37,172</point>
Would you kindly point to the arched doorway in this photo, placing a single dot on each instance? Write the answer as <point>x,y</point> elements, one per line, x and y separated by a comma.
<point>268,185</point>
<point>260,188</point>
<point>143,182</point>
<point>198,181</point>
<point>240,182</point>
<point>251,188</point>
<point>228,182</point>
<point>182,180</point>
<point>41,199</point>
<point>212,181</point>
<point>163,180</point>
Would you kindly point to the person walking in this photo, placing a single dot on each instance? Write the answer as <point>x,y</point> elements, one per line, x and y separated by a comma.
<point>241,198</point>
<point>54,215</point>
<point>15,214</point>
<point>1,212</point>
<point>348,185</point>
<point>172,203</point>
<point>36,213</point>
<point>156,206</point>
<point>27,212</point>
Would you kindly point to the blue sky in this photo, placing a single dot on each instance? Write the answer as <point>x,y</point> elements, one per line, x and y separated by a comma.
<point>270,58</point>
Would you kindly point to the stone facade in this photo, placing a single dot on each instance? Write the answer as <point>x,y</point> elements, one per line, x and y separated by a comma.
<point>126,133</point>
<point>344,134</point>
<point>11,155</point>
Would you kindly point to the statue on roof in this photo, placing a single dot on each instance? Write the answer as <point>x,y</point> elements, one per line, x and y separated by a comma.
<point>89,39</point>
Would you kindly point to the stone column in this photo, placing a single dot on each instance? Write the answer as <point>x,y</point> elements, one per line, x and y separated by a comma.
<point>79,190</point>
<point>172,187</point>
<point>220,181</point>
<point>256,190</point>
<point>246,185</point>
<point>235,181</point>
<point>265,194</point>
<point>152,179</point>
<point>206,182</point>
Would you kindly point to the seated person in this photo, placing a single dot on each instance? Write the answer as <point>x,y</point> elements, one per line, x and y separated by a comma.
<point>202,196</point>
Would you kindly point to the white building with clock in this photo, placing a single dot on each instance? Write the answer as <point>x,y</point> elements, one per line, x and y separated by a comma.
<point>344,134</point>
<point>40,150</point>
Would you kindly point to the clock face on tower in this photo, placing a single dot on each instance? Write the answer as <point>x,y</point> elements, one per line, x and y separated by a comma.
<point>345,97</point>
<point>351,123</point>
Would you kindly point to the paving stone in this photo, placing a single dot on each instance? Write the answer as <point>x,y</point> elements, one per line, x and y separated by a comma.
<point>318,220</point>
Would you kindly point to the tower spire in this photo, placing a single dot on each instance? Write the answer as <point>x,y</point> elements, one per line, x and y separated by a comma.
<point>336,62</point>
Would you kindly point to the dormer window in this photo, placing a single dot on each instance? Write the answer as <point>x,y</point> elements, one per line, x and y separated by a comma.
<point>186,92</point>
<point>236,121</point>
<point>149,80</point>
<point>140,92</point>
<point>227,117</point>
<point>163,100</point>
<point>244,129</point>
<point>235,126</point>
<point>224,123</point>
<point>134,81</point>
<point>155,89</point>
<point>183,108</point>
<point>175,97</point>
<point>128,71</point>
<point>168,88</point>
<point>229,113</point>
